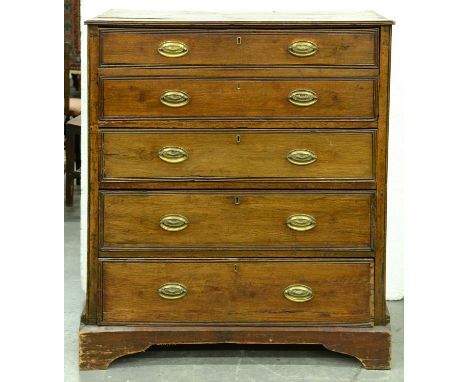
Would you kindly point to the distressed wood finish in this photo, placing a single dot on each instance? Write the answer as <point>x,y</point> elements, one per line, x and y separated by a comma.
<point>231,198</point>
<point>382,152</point>
<point>244,292</point>
<point>238,154</point>
<point>206,20</point>
<point>100,345</point>
<point>335,47</point>
<point>215,98</point>
<point>218,220</point>
<point>93,179</point>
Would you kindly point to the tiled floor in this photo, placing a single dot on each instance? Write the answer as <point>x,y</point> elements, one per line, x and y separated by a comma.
<point>212,363</point>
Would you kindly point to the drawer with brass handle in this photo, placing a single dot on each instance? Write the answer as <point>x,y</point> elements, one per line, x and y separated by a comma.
<point>314,155</point>
<point>172,291</point>
<point>307,291</point>
<point>301,222</point>
<point>174,98</point>
<point>174,222</point>
<point>200,220</point>
<point>238,98</point>
<point>345,47</point>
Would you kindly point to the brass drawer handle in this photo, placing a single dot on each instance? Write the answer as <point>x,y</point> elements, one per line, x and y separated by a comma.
<point>172,291</point>
<point>173,49</point>
<point>302,157</point>
<point>298,293</point>
<point>175,98</point>
<point>303,97</point>
<point>174,222</point>
<point>302,48</point>
<point>301,222</point>
<point>173,154</point>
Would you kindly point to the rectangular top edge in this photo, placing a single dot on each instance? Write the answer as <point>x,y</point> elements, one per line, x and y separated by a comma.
<point>122,17</point>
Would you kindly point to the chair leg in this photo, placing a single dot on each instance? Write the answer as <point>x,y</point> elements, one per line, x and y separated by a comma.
<point>69,165</point>
<point>78,156</point>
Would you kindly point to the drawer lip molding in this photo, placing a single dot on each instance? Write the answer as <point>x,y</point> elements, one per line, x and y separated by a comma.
<point>349,47</point>
<point>129,156</point>
<point>341,99</point>
<point>352,273</point>
<point>129,220</point>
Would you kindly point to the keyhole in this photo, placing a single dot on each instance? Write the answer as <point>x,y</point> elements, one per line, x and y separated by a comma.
<point>237,138</point>
<point>236,200</point>
<point>239,40</point>
<point>235,268</point>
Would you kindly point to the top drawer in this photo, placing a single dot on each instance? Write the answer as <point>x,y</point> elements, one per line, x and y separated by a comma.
<point>343,47</point>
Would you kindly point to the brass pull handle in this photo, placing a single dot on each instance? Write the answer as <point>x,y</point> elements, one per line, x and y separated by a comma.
<point>301,157</point>
<point>173,49</point>
<point>298,293</point>
<point>302,48</point>
<point>173,154</point>
<point>174,222</point>
<point>172,291</point>
<point>303,97</point>
<point>175,98</point>
<point>301,222</point>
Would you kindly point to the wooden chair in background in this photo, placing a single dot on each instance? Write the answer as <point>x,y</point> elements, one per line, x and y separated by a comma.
<point>72,158</point>
<point>72,113</point>
<point>72,106</point>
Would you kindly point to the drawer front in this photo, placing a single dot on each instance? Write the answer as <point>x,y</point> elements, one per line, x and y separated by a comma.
<point>313,47</point>
<point>241,220</point>
<point>213,155</point>
<point>242,292</point>
<point>208,98</point>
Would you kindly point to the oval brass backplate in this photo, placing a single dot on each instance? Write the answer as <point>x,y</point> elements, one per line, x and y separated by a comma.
<point>298,293</point>
<point>172,291</point>
<point>174,222</point>
<point>303,97</point>
<point>302,157</point>
<point>175,98</point>
<point>301,222</point>
<point>302,48</point>
<point>173,154</point>
<point>173,49</point>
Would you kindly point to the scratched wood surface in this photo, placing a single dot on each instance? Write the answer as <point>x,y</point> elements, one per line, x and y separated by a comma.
<point>100,345</point>
<point>123,17</point>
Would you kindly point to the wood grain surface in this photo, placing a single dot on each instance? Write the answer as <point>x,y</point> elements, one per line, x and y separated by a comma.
<point>139,98</point>
<point>335,47</point>
<point>132,219</point>
<point>214,154</point>
<point>238,292</point>
<point>280,20</point>
<point>100,345</point>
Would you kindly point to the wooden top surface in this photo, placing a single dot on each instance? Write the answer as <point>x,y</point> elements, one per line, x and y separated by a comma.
<point>121,17</point>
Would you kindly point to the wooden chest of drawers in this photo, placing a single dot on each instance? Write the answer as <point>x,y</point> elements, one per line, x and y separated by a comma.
<point>237,182</point>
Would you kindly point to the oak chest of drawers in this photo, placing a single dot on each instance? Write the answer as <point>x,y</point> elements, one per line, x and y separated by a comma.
<point>237,182</point>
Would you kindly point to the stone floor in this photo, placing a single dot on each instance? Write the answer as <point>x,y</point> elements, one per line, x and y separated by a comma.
<point>212,363</point>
